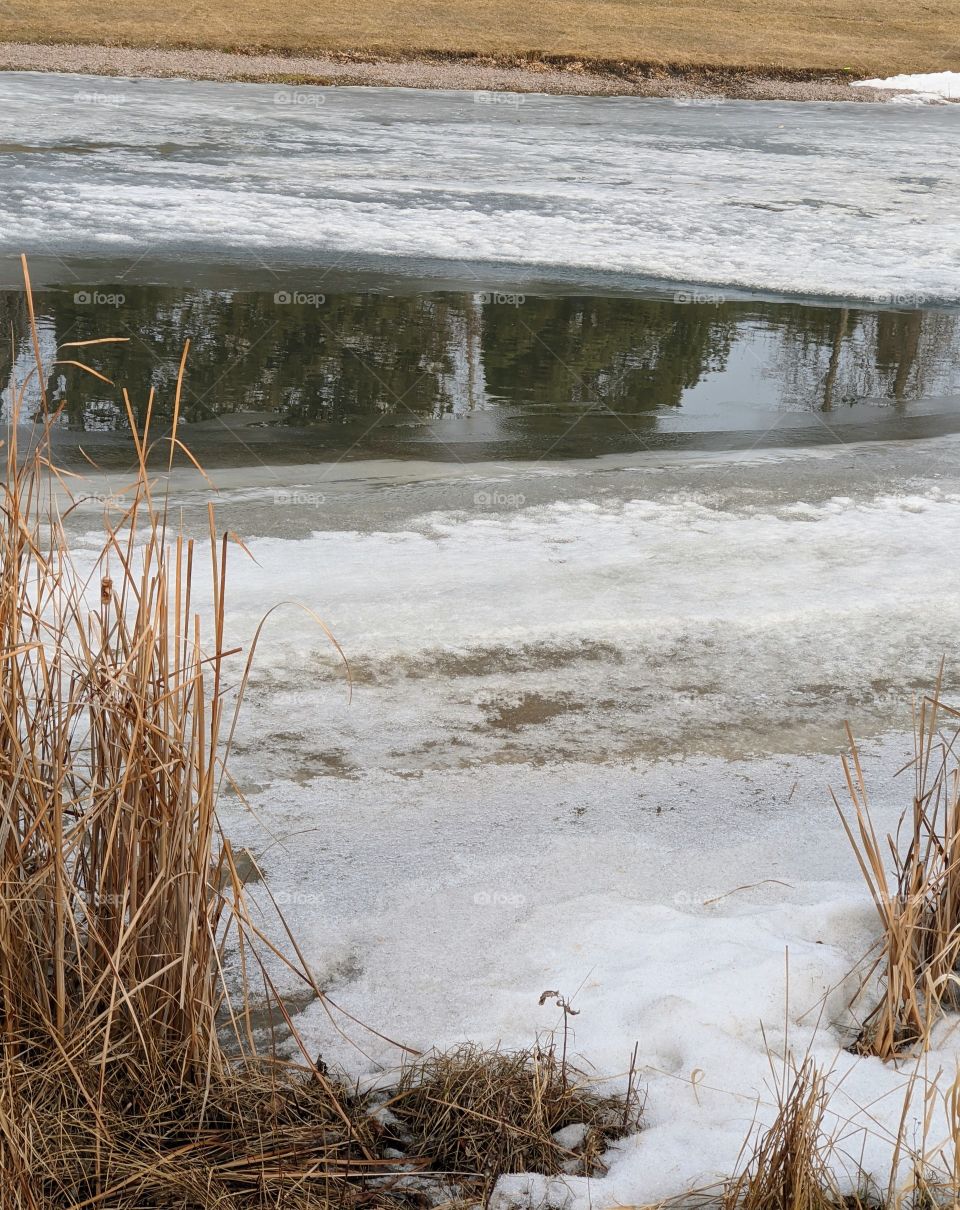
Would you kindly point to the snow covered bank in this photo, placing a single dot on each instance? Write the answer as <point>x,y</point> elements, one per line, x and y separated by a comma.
<point>734,194</point>
<point>934,86</point>
<point>702,907</point>
<point>706,909</point>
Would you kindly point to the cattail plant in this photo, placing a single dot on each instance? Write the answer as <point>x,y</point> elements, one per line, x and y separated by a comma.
<point>118,895</point>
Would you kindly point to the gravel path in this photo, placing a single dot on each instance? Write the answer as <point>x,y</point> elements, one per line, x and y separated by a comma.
<point>466,74</point>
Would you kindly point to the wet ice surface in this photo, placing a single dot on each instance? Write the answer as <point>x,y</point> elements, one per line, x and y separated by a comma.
<point>590,611</point>
<point>797,198</point>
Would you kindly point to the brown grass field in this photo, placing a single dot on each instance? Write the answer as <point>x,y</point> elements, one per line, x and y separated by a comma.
<point>776,36</point>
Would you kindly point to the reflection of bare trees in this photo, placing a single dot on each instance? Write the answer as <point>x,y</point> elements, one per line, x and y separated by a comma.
<point>359,356</point>
<point>13,323</point>
<point>830,357</point>
<point>903,341</point>
<point>364,355</point>
<point>623,354</point>
<point>836,350</point>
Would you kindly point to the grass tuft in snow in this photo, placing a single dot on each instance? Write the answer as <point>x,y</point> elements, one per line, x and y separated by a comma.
<point>476,1114</point>
<point>789,1166</point>
<point>919,906</point>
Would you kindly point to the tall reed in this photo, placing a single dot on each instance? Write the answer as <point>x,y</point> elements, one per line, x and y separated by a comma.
<point>914,880</point>
<point>787,1167</point>
<point>117,894</point>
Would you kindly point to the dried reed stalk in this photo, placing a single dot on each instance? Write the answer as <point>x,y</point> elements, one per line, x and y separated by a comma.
<point>788,1168</point>
<point>117,894</point>
<point>918,901</point>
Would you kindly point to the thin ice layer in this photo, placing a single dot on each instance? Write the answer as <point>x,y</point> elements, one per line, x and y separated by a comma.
<point>803,199</point>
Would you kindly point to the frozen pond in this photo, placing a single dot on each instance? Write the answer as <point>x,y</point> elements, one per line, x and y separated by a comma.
<point>596,708</point>
<point>612,557</point>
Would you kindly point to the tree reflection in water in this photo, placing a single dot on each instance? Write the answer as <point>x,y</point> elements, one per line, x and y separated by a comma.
<point>535,362</point>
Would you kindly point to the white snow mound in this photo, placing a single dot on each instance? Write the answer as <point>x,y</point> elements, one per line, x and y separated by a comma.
<point>932,86</point>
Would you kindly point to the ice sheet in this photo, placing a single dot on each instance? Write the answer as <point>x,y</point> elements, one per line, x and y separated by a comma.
<point>797,198</point>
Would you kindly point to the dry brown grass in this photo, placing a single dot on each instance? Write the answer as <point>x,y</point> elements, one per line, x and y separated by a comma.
<point>793,1164</point>
<point>883,36</point>
<point>803,1162</point>
<point>474,1114</point>
<point>117,895</point>
<point>788,1167</point>
<point>256,1137</point>
<point>919,904</point>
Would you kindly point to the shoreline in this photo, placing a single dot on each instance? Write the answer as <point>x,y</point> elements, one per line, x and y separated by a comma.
<point>453,72</point>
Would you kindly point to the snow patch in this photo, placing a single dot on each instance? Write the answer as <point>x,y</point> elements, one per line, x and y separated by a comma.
<point>933,86</point>
<point>708,932</point>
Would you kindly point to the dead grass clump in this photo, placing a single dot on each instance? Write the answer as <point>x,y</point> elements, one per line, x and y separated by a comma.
<point>919,905</point>
<point>258,1137</point>
<point>476,1114</point>
<point>788,1168</point>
